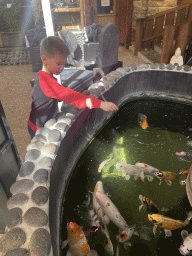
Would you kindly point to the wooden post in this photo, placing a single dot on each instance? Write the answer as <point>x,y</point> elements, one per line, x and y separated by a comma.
<point>1,41</point>
<point>82,14</point>
<point>129,23</point>
<point>138,35</point>
<point>167,45</point>
<point>183,37</point>
<point>189,14</point>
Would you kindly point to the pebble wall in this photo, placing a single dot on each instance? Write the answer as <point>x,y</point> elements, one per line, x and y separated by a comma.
<point>27,231</point>
<point>14,57</point>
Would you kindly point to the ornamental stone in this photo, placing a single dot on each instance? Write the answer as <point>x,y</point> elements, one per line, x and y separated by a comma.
<point>49,149</point>
<point>35,145</point>
<point>61,126</point>
<point>17,200</point>
<point>26,169</point>
<point>45,162</point>
<point>13,239</point>
<point>42,131</point>
<point>35,217</point>
<point>40,242</point>
<point>18,252</point>
<point>40,195</point>
<point>50,123</point>
<point>21,186</point>
<point>32,154</point>
<point>39,137</point>
<point>54,135</point>
<point>14,217</point>
<point>64,119</point>
<point>40,176</point>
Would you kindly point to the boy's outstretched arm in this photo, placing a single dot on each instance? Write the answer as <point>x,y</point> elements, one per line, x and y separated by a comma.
<point>108,106</point>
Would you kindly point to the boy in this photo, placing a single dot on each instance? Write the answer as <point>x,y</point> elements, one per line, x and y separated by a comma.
<point>47,92</point>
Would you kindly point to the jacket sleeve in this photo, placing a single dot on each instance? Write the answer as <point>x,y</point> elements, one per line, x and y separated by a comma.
<point>52,89</point>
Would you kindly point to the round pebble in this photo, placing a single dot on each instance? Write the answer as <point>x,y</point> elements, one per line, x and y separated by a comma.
<point>187,68</point>
<point>64,119</point>
<point>40,176</point>
<point>40,195</point>
<point>13,239</point>
<point>21,186</point>
<point>170,66</point>
<point>26,169</point>
<point>35,145</point>
<point>50,123</point>
<point>155,66</point>
<point>43,131</point>
<point>54,135</point>
<point>39,137</point>
<point>18,252</point>
<point>40,242</point>
<point>45,163</point>
<point>179,68</point>
<point>17,200</point>
<point>61,126</point>
<point>35,217</point>
<point>14,217</point>
<point>32,154</point>
<point>49,149</point>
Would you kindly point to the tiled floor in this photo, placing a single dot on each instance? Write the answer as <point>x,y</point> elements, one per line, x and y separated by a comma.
<point>15,91</point>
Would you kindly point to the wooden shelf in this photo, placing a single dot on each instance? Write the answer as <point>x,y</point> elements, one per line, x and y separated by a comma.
<point>76,9</point>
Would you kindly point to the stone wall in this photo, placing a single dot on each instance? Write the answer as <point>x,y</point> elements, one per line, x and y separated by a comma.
<point>9,56</point>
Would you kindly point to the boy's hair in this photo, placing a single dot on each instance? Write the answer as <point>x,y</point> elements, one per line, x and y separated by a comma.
<point>53,45</point>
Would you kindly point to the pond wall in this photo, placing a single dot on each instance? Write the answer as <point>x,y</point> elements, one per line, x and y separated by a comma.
<point>35,208</point>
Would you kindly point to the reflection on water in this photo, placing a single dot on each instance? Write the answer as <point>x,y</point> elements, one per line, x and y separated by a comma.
<point>124,140</point>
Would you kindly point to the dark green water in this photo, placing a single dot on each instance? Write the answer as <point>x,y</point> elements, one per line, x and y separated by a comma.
<point>168,132</point>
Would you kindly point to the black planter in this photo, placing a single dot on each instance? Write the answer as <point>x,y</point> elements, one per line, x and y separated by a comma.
<point>35,58</point>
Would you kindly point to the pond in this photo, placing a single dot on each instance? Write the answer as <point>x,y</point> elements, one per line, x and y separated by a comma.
<point>123,139</point>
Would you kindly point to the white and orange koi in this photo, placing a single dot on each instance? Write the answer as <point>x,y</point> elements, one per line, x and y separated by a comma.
<point>77,241</point>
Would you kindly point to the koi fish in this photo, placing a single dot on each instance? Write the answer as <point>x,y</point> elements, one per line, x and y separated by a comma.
<point>137,170</point>
<point>147,204</point>
<point>182,153</point>
<point>183,171</point>
<point>167,223</point>
<point>111,210</point>
<point>142,119</point>
<point>168,177</point>
<point>96,205</point>
<point>189,143</point>
<point>77,241</point>
<point>96,221</point>
<point>186,246</point>
<point>148,170</point>
<point>142,231</point>
<point>183,182</point>
<point>102,165</point>
<point>128,170</point>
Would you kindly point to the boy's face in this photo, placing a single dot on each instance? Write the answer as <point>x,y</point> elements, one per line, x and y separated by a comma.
<point>54,65</point>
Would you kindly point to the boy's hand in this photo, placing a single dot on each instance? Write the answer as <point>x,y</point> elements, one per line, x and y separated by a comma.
<point>108,106</point>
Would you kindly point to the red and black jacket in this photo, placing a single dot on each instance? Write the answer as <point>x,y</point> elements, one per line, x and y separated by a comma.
<point>45,96</point>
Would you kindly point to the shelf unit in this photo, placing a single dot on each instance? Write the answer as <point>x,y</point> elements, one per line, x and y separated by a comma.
<point>72,10</point>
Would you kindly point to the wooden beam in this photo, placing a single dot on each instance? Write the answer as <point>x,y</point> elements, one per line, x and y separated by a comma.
<point>167,46</point>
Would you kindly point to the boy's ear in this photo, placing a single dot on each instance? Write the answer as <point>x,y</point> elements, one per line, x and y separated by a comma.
<point>44,58</point>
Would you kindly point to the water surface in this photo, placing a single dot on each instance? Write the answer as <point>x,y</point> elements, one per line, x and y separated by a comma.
<point>122,139</point>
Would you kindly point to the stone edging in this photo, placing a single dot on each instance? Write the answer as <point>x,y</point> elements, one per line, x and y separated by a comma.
<point>27,231</point>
